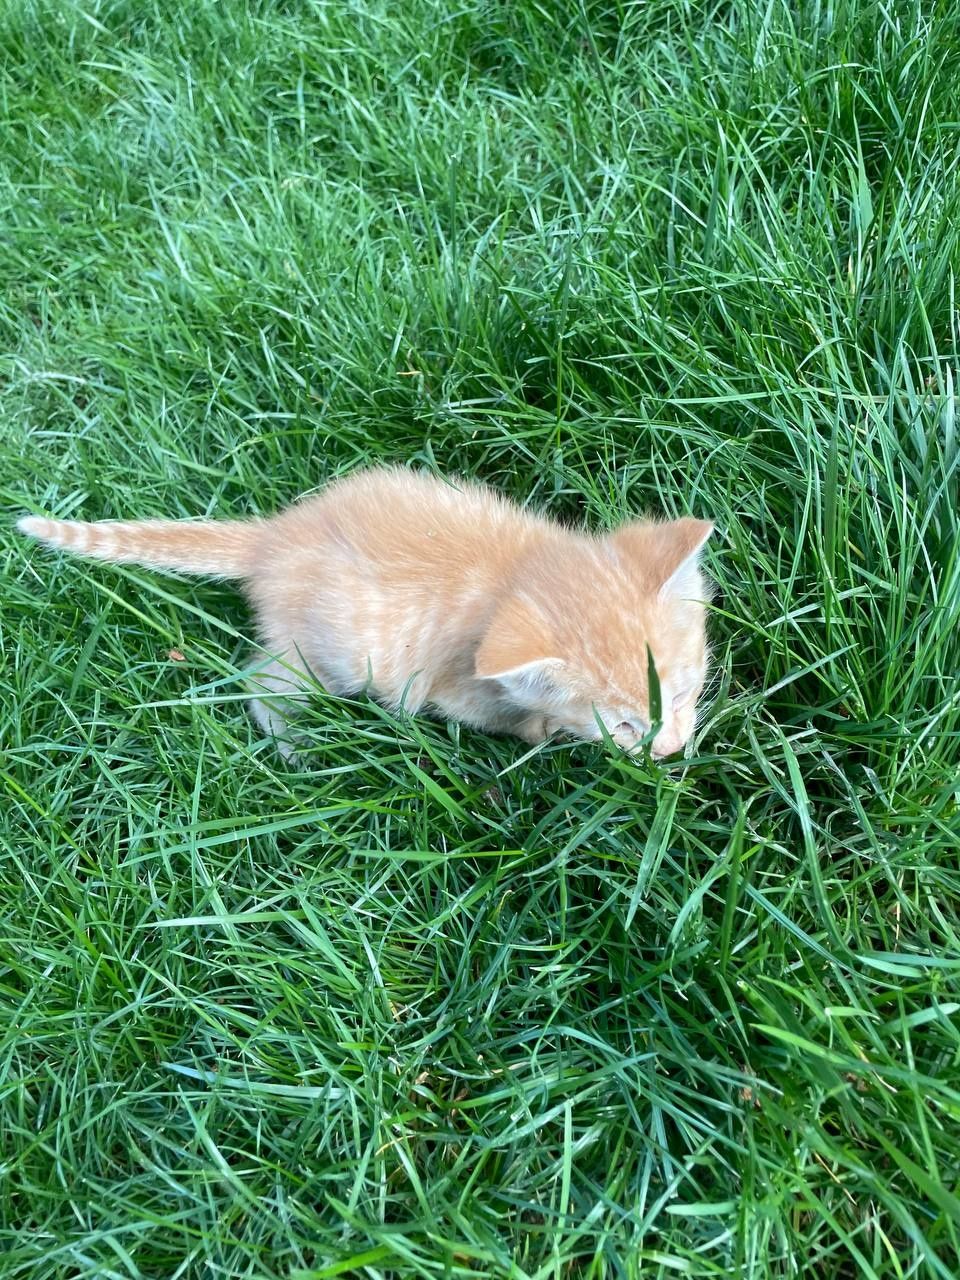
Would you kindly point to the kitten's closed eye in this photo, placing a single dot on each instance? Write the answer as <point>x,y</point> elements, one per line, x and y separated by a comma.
<point>684,686</point>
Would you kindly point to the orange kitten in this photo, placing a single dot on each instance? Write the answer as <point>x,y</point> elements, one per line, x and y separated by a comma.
<point>450,598</point>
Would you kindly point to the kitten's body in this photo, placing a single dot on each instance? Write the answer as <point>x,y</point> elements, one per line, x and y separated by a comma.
<point>448,597</point>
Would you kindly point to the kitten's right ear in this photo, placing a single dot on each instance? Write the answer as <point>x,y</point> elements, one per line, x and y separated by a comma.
<point>667,552</point>
<point>517,650</point>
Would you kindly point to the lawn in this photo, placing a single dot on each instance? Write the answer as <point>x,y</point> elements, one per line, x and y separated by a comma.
<point>435,1004</point>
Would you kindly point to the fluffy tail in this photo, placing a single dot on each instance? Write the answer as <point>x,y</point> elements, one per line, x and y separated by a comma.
<point>222,548</point>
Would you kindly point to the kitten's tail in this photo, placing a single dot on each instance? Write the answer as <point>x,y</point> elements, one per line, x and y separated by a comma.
<point>223,548</point>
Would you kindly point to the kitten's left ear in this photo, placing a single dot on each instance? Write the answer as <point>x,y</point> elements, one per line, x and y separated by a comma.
<point>669,554</point>
<point>517,651</point>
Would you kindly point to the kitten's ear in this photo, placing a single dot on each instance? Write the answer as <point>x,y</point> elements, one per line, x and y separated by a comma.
<point>517,648</point>
<point>668,553</point>
<point>682,563</point>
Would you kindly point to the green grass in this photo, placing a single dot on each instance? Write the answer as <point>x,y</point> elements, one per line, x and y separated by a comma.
<point>438,1005</point>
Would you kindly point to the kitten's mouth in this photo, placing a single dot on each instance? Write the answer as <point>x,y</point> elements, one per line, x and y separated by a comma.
<point>638,744</point>
<point>630,741</point>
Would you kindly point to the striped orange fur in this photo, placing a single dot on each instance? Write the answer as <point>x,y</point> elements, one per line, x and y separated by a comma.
<point>444,596</point>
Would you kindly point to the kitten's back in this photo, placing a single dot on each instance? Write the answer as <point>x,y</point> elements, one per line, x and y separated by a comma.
<point>394,568</point>
<point>410,521</point>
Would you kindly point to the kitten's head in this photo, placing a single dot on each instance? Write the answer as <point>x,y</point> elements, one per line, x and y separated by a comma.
<point>570,643</point>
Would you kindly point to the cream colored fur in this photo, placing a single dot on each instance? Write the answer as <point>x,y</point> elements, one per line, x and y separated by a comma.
<point>446,597</point>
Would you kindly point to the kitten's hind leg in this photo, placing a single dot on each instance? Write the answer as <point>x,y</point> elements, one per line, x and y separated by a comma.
<point>284,684</point>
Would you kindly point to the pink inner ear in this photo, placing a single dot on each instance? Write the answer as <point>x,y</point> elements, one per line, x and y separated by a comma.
<point>515,639</point>
<point>530,675</point>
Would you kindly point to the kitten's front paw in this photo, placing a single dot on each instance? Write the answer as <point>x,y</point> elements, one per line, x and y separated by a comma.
<point>534,729</point>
